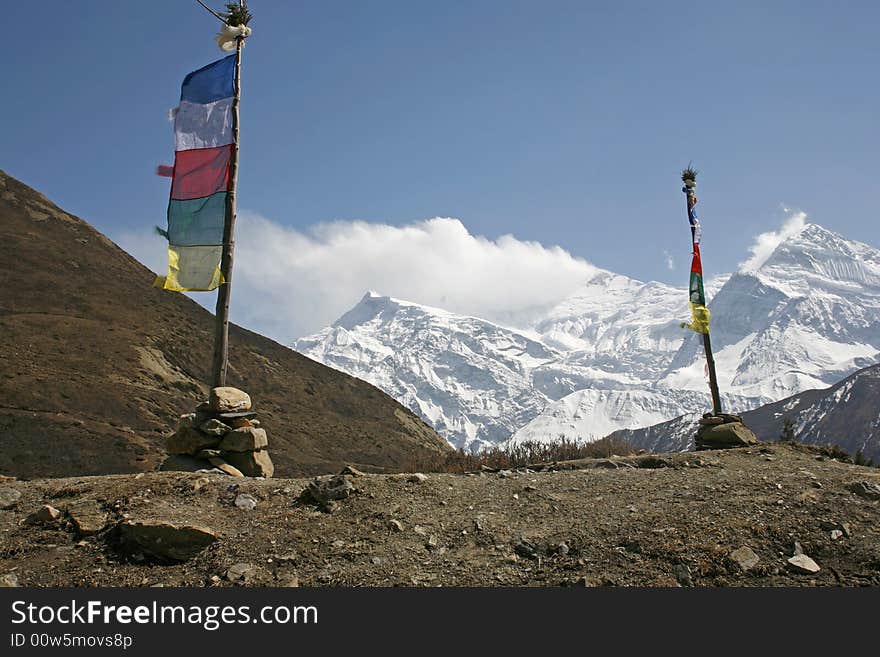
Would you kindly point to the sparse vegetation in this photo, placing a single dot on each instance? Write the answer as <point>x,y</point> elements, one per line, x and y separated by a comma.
<point>787,430</point>
<point>689,174</point>
<point>517,456</point>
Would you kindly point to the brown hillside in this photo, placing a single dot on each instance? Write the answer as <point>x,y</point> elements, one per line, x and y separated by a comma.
<point>96,365</point>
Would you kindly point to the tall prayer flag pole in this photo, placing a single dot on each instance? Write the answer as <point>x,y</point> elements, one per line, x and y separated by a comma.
<point>201,210</point>
<point>221,330</point>
<point>699,312</point>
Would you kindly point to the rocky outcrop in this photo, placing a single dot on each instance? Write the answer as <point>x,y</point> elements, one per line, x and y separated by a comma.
<point>723,431</point>
<point>222,435</point>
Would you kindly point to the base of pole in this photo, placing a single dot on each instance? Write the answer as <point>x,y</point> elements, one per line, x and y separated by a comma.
<point>723,431</point>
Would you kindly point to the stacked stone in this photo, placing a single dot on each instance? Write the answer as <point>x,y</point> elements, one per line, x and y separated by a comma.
<point>723,431</point>
<point>223,433</point>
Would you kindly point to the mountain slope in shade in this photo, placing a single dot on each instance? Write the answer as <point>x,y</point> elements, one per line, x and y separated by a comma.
<point>96,365</point>
<point>847,415</point>
<point>590,414</point>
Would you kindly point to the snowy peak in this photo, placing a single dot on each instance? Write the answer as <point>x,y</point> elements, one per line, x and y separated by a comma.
<point>371,306</point>
<point>817,256</point>
<point>808,316</point>
<point>467,376</point>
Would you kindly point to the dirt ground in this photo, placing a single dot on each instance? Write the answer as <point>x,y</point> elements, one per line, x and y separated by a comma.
<point>654,520</point>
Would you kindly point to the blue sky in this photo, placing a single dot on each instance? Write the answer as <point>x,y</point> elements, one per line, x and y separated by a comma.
<point>561,122</point>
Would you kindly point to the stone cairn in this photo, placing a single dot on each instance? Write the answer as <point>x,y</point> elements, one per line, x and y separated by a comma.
<point>223,434</point>
<point>723,431</point>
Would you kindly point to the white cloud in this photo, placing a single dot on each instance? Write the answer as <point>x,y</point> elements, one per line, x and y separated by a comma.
<point>766,243</point>
<point>669,260</point>
<point>288,283</point>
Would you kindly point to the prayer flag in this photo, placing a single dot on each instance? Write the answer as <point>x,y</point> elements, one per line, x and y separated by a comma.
<point>200,178</point>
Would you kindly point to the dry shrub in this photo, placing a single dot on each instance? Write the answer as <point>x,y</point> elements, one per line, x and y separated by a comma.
<point>518,456</point>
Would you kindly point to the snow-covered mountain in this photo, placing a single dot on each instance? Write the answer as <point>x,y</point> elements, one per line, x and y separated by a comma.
<point>467,377</point>
<point>613,355</point>
<point>809,316</point>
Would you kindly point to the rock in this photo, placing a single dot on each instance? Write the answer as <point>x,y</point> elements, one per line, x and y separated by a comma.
<point>187,420</point>
<point>239,422</point>
<point>189,440</point>
<point>9,497</point>
<point>245,439</point>
<point>246,501</point>
<point>729,434</point>
<point>251,464</point>
<point>745,558</point>
<point>228,400</point>
<point>803,564</point>
<point>165,540</point>
<point>88,517</point>
<point>45,515</point>
<point>417,478</point>
<point>351,471</point>
<point>525,549</point>
<point>214,427</point>
<point>831,526</point>
<point>288,580</point>
<point>183,463</point>
<point>9,581</point>
<point>562,549</point>
<point>835,534</point>
<point>246,573</point>
<point>223,466</point>
<point>328,488</point>
<point>201,484</point>
<point>682,574</point>
<point>395,525</point>
<point>230,418</point>
<point>866,489</point>
<point>504,474</point>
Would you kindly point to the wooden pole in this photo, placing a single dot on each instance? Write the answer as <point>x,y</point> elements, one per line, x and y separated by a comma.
<point>707,343</point>
<point>713,379</point>
<point>221,332</point>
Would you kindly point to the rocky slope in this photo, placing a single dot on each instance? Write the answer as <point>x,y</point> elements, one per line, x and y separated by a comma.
<point>96,365</point>
<point>613,355</point>
<point>731,518</point>
<point>847,415</point>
